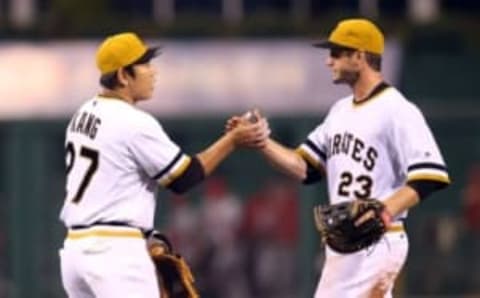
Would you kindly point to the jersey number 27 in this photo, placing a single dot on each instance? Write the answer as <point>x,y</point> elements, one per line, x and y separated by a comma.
<point>92,156</point>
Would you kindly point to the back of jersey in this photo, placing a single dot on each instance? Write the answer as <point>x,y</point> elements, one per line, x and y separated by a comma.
<point>105,180</point>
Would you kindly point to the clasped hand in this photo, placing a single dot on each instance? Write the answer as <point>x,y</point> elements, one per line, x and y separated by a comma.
<point>249,130</point>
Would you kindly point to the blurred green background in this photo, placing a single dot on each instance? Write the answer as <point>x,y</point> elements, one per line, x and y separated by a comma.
<point>276,251</point>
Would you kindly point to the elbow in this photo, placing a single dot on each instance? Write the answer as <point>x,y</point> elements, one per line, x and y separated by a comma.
<point>300,176</point>
<point>424,188</point>
<point>192,176</point>
<point>297,169</point>
<point>181,190</point>
<point>312,175</point>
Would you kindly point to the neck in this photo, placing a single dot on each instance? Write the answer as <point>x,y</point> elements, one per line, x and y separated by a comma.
<point>365,84</point>
<point>119,94</point>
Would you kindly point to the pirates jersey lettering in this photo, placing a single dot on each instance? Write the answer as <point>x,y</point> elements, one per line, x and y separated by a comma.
<point>346,143</point>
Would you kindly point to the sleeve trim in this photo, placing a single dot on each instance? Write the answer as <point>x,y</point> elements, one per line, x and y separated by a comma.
<point>429,177</point>
<point>310,160</point>
<point>427,165</point>
<point>169,166</point>
<point>177,172</point>
<point>317,150</point>
<point>191,176</point>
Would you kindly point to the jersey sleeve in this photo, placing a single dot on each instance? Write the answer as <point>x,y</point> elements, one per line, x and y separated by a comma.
<point>417,151</point>
<point>314,149</point>
<point>156,153</point>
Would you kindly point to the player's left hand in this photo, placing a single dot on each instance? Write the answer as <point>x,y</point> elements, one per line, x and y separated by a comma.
<point>384,215</point>
<point>350,226</point>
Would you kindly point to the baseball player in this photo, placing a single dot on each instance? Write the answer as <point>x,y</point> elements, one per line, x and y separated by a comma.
<point>372,144</point>
<point>116,156</point>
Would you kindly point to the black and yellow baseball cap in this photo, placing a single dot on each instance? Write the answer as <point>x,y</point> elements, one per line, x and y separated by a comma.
<point>359,34</point>
<point>121,50</point>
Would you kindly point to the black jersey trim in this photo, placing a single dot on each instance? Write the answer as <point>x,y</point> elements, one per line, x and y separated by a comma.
<point>425,188</point>
<point>427,165</point>
<point>317,150</point>
<point>193,174</point>
<point>170,165</point>
<point>313,175</point>
<point>377,90</point>
<point>102,223</point>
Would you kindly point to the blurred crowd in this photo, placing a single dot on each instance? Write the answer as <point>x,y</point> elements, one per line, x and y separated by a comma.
<point>239,247</point>
<point>444,246</point>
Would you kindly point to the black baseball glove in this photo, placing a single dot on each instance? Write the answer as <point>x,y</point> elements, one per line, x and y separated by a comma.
<point>174,275</point>
<point>351,226</point>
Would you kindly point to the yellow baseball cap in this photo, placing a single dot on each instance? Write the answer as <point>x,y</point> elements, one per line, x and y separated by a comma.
<point>359,34</point>
<point>121,50</point>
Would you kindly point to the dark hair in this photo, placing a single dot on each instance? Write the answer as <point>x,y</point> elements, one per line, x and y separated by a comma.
<point>110,80</point>
<point>339,51</point>
<point>374,61</point>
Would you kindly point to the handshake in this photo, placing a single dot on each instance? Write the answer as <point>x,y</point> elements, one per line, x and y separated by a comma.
<point>250,130</point>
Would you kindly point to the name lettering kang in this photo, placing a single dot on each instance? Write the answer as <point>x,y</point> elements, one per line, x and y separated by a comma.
<point>348,144</point>
<point>86,124</point>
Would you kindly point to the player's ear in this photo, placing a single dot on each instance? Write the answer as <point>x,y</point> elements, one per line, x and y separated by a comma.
<point>361,57</point>
<point>122,77</point>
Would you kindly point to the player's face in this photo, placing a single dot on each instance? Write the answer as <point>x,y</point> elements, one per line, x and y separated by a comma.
<point>142,85</point>
<point>344,66</point>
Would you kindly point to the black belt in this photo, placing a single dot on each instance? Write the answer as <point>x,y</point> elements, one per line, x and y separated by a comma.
<point>145,232</point>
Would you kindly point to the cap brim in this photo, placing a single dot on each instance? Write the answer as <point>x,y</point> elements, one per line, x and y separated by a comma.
<point>325,44</point>
<point>151,53</point>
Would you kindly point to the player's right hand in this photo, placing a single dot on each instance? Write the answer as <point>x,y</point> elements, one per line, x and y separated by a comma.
<point>251,116</point>
<point>249,130</point>
<point>232,123</point>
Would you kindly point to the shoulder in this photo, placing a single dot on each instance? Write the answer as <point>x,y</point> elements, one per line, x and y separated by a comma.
<point>143,116</point>
<point>333,112</point>
<point>130,115</point>
<point>86,104</point>
<point>403,113</point>
<point>143,121</point>
<point>341,104</point>
<point>130,118</point>
<point>399,104</point>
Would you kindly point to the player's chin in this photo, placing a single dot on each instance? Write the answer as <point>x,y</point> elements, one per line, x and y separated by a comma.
<point>148,94</point>
<point>336,78</point>
<point>340,79</point>
<point>144,97</point>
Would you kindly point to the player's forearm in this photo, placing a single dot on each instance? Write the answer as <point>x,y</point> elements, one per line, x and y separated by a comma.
<point>405,198</point>
<point>211,157</point>
<point>285,160</point>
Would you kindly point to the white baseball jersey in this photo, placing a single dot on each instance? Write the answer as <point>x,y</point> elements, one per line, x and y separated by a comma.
<point>371,149</point>
<point>116,156</point>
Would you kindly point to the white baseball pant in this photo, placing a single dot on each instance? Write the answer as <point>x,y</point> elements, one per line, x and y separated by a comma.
<point>107,262</point>
<point>369,273</point>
